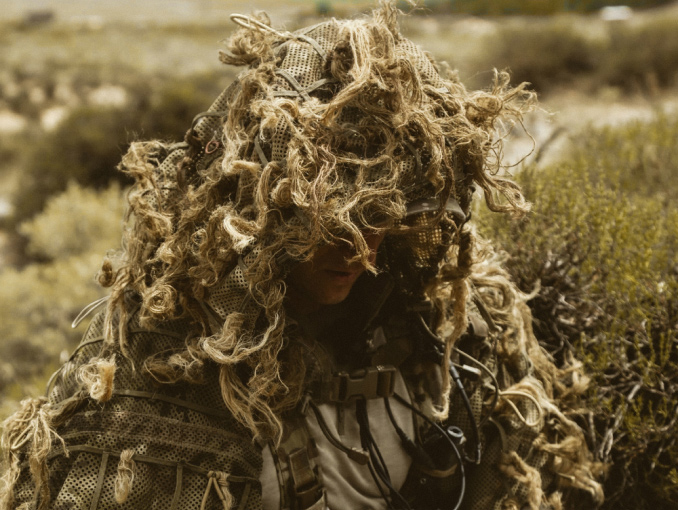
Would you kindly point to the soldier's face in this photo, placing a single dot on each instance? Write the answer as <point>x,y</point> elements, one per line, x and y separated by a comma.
<point>327,279</point>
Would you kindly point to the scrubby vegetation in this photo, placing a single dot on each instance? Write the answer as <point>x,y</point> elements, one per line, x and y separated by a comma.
<point>601,251</point>
<point>600,248</point>
<point>39,302</point>
<point>87,145</point>
<point>642,57</point>
<point>532,7</point>
<point>634,56</point>
<point>548,53</point>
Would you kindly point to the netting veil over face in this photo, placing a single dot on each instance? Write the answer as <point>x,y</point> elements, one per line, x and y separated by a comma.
<point>333,131</point>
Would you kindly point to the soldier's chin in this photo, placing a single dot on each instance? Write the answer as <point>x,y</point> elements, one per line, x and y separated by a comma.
<point>334,298</point>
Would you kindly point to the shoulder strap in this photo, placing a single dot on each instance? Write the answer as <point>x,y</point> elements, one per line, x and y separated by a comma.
<point>299,476</point>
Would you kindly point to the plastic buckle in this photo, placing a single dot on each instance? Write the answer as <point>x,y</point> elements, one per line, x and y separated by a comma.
<point>306,487</point>
<point>367,383</point>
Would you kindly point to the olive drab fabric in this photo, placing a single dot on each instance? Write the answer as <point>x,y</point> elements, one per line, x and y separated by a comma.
<point>183,448</point>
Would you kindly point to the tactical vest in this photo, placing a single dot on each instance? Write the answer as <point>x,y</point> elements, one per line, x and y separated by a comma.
<point>149,445</point>
<point>175,446</point>
<point>351,415</point>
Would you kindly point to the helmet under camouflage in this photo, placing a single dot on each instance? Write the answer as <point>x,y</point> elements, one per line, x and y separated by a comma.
<point>331,132</point>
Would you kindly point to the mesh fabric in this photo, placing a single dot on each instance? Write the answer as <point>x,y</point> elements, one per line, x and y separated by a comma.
<point>179,433</point>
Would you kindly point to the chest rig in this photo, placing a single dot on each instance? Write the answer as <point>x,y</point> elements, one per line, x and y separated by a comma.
<point>360,371</point>
<point>342,371</point>
<point>296,459</point>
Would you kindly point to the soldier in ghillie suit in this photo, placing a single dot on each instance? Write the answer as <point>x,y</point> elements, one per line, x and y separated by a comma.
<point>302,316</point>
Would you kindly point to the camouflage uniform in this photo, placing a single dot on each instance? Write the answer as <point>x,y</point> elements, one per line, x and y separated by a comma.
<point>365,431</point>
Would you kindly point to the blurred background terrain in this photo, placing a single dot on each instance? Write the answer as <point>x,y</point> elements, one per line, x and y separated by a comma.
<point>81,79</point>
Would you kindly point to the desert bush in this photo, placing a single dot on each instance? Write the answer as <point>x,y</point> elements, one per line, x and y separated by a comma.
<point>495,8</point>
<point>601,252</point>
<point>642,57</point>
<point>641,159</point>
<point>556,52</point>
<point>532,7</point>
<point>547,53</point>
<point>78,221</point>
<point>86,148</point>
<point>88,145</point>
<point>39,302</point>
<point>175,102</point>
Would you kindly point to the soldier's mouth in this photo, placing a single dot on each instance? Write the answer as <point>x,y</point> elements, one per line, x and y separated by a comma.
<point>341,275</point>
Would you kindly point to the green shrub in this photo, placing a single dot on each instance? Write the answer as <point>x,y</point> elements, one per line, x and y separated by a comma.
<point>601,248</point>
<point>557,52</point>
<point>498,7</point>
<point>549,53</point>
<point>78,221</point>
<point>534,7</point>
<point>639,160</point>
<point>643,57</point>
<point>39,302</point>
<point>174,104</point>
<point>87,146</point>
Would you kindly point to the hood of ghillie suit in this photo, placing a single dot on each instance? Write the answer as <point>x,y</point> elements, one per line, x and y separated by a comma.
<point>333,131</point>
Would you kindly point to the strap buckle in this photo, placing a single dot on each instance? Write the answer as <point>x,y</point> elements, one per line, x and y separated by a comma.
<point>367,383</point>
<point>306,488</point>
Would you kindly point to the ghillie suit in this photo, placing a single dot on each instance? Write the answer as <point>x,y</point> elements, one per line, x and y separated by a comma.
<point>196,388</point>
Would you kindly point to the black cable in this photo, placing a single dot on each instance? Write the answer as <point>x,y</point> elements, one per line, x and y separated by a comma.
<point>457,453</point>
<point>374,460</point>
<point>495,398</point>
<point>469,410</point>
<point>419,456</point>
<point>376,482</point>
<point>377,476</point>
<point>460,385</point>
<point>377,463</point>
<point>364,422</point>
<point>352,453</point>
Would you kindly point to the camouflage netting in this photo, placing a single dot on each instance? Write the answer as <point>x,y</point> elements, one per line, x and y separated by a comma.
<point>124,440</point>
<point>532,442</point>
<point>331,133</point>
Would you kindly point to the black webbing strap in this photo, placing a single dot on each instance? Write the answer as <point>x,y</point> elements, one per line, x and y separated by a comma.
<point>100,480</point>
<point>294,83</point>
<point>260,152</point>
<point>178,487</point>
<point>302,486</point>
<point>140,458</point>
<point>245,496</point>
<point>172,400</point>
<point>322,53</point>
<point>306,486</point>
<point>299,91</point>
